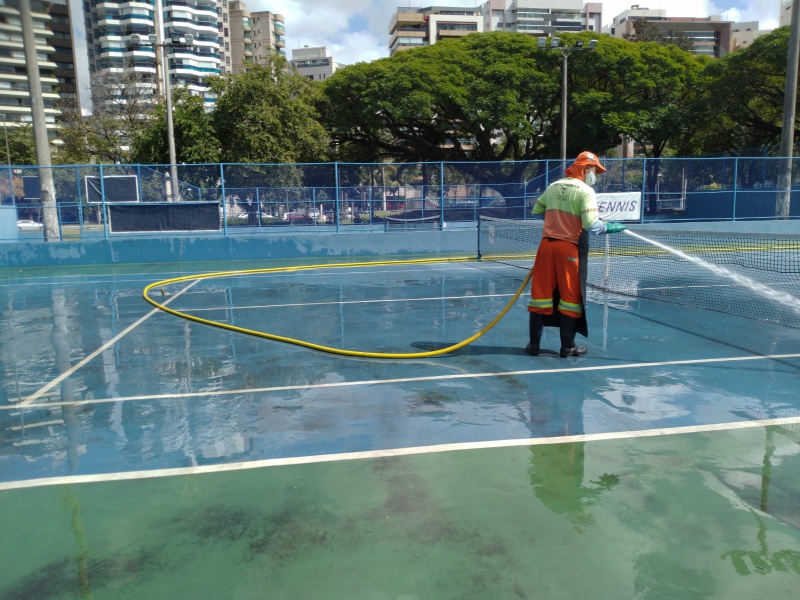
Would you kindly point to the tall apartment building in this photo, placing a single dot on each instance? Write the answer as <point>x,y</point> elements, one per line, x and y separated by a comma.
<point>224,36</point>
<point>785,17</point>
<point>315,63</point>
<point>190,66</point>
<point>15,100</point>
<point>112,28</point>
<point>711,36</point>
<point>415,27</point>
<point>268,33</point>
<point>241,48</point>
<point>743,34</point>
<point>64,54</point>
<point>545,17</point>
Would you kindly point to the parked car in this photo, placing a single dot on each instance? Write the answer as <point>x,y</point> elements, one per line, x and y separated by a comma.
<point>26,225</point>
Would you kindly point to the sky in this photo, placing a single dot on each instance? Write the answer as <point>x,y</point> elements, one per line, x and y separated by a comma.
<point>358,30</point>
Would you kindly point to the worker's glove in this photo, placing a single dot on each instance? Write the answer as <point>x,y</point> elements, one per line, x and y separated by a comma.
<point>614,227</point>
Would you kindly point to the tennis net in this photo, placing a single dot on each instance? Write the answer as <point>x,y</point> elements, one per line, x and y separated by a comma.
<point>751,275</point>
<point>418,224</point>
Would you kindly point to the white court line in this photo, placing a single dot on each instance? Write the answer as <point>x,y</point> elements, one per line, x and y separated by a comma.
<point>341,384</point>
<point>348,456</point>
<point>334,303</point>
<point>42,390</point>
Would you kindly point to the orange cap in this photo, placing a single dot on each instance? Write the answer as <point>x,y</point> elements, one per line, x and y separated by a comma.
<point>589,158</point>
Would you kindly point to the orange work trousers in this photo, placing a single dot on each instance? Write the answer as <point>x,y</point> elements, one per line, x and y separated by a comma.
<point>556,267</point>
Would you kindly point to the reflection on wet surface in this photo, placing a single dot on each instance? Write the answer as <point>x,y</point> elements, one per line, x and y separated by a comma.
<point>711,515</point>
<point>673,517</point>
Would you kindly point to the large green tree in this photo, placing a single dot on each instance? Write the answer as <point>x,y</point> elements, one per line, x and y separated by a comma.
<point>497,96</point>
<point>742,102</point>
<point>121,104</point>
<point>483,97</point>
<point>195,138</point>
<point>18,141</point>
<point>653,89</point>
<point>268,114</point>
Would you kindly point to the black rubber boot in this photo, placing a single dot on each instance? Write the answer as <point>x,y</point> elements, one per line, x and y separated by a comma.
<point>568,347</point>
<point>535,328</point>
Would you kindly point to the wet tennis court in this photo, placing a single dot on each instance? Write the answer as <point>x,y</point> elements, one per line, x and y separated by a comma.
<point>144,455</point>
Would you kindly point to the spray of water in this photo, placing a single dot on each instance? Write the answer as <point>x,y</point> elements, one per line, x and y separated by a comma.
<point>772,294</point>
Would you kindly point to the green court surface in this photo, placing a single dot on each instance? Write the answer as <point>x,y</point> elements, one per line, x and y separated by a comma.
<point>680,516</point>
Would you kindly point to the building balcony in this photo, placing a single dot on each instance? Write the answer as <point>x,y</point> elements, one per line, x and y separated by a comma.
<point>406,19</point>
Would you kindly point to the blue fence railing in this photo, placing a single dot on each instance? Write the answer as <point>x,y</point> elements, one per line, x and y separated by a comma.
<point>106,200</point>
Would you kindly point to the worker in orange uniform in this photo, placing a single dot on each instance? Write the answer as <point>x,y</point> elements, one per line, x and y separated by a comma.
<point>558,285</point>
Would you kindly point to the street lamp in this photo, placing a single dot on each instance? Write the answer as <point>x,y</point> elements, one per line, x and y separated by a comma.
<point>555,44</point>
<point>174,41</point>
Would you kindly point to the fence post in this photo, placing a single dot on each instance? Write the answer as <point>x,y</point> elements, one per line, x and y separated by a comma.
<point>644,179</point>
<point>103,203</point>
<point>524,200</point>
<point>735,180</point>
<point>224,204</point>
<point>139,180</point>
<point>258,204</point>
<point>80,198</point>
<point>336,194</point>
<point>441,194</point>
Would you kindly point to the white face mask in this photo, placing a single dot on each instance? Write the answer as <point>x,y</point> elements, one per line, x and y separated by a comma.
<point>590,178</point>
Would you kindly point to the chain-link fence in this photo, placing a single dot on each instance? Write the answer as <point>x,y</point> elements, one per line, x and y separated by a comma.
<point>108,200</point>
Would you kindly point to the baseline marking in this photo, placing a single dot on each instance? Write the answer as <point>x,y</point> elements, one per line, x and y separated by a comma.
<point>391,452</point>
<point>340,384</point>
<point>42,390</point>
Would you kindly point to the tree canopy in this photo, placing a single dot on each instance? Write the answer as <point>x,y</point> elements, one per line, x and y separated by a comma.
<point>483,97</point>
<point>268,114</point>
<point>20,144</point>
<point>497,96</point>
<point>195,138</point>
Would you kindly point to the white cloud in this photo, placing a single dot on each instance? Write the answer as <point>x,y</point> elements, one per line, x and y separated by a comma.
<point>358,30</point>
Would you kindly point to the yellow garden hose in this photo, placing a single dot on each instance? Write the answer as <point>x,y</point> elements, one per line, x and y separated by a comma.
<point>280,338</point>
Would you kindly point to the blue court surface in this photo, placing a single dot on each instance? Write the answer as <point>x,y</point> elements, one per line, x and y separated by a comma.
<point>144,455</point>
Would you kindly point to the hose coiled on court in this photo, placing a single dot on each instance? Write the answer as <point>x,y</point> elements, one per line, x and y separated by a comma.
<point>311,345</point>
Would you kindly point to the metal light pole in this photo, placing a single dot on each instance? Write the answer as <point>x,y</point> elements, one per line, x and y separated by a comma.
<point>564,66</point>
<point>783,199</point>
<point>174,193</point>
<point>40,138</point>
<point>153,40</point>
<point>555,44</point>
